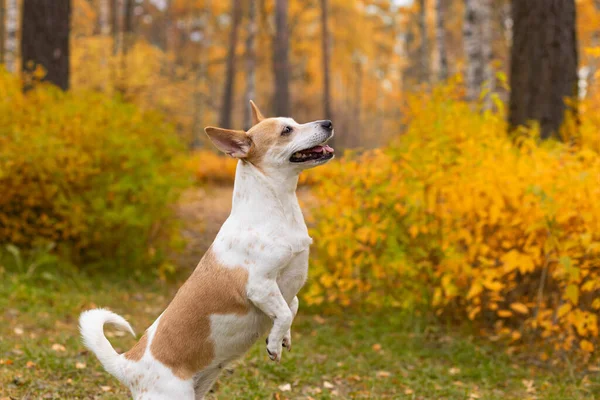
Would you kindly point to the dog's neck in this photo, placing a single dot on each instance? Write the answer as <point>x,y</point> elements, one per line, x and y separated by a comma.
<point>258,192</point>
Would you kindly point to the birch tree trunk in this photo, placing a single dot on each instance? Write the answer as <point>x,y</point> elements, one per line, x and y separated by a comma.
<point>12,25</point>
<point>440,38</point>
<point>250,64</point>
<point>45,39</point>
<point>227,104</point>
<point>281,100</point>
<point>478,38</point>
<point>544,62</point>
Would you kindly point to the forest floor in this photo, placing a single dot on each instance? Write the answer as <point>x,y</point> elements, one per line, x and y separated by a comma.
<point>385,356</point>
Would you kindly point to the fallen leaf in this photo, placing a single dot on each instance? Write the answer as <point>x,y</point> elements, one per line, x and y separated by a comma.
<point>454,371</point>
<point>319,320</point>
<point>383,374</point>
<point>408,391</point>
<point>19,331</point>
<point>458,383</point>
<point>30,364</point>
<point>376,347</point>
<point>328,385</point>
<point>6,362</point>
<point>80,365</point>
<point>106,388</point>
<point>58,347</point>
<point>285,387</point>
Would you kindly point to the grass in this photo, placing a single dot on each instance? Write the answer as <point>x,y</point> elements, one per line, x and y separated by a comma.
<point>385,356</point>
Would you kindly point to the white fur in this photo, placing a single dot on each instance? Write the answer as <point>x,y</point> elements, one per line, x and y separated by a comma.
<point>266,234</point>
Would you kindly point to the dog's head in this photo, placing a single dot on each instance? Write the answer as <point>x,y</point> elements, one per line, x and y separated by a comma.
<point>277,143</point>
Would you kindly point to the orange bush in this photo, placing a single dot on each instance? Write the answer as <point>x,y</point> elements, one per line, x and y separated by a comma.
<point>458,216</point>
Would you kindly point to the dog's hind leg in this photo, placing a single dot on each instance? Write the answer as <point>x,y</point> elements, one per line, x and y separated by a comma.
<point>204,380</point>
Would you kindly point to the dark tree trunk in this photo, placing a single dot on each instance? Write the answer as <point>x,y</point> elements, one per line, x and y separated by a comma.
<point>326,54</point>
<point>227,104</point>
<point>250,64</point>
<point>128,25</point>
<point>45,40</point>
<point>544,61</point>
<point>424,66</point>
<point>281,100</point>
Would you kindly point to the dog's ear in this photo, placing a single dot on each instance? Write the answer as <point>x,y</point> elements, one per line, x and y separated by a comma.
<point>235,143</point>
<point>256,114</point>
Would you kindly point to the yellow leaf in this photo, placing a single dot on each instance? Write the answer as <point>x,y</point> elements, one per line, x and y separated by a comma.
<point>572,293</point>
<point>563,310</point>
<point>586,346</point>
<point>504,313</point>
<point>519,308</point>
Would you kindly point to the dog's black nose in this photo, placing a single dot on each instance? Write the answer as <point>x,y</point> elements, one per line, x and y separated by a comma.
<point>326,124</point>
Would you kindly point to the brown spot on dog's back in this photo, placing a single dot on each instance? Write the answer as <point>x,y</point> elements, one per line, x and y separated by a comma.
<point>182,339</point>
<point>137,352</point>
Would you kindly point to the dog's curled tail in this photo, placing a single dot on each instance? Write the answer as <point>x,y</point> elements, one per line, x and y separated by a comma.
<point>91,326</point>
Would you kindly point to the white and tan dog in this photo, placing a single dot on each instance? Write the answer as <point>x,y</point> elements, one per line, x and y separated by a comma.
<point>245,283</point>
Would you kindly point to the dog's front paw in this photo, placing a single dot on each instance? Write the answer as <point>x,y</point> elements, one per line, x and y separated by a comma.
<point>274,349</point>
<point>287,341</point>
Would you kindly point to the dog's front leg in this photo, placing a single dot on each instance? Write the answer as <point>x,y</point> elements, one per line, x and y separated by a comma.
<point>287,338</point>
<point>265,295</point>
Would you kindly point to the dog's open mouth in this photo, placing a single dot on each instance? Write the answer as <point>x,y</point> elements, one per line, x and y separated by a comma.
<point>317,153</point>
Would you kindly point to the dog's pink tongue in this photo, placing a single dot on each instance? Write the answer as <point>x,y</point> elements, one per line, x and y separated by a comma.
<point>329,149</point>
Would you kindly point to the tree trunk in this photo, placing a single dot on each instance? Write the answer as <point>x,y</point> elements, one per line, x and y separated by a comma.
<point>487,40</point>
<point>227,104</point>
<point>12,24</point>
<point>250,64</point>
<point>544,60</point>
<point>440,38</point>
<point>115,22</point>
<point>104,17</point>
<point>325,41</point>
<point>424,76</point>
<point>2,30</point>
<point>478,39</point>
<point>281,99</point>
<point>45,39</point>
<point>128,25</point>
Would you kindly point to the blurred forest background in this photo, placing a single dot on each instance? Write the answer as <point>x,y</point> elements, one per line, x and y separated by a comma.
<point>465,191</point>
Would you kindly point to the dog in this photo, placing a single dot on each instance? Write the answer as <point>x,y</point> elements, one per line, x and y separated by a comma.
<point>245,283</point>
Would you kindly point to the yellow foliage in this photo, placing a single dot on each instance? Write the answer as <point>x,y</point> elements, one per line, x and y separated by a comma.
<point>92,174</point>
<point>210,167</point>
<point>462,217</point>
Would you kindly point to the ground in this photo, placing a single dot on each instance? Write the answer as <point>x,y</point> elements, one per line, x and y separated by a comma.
<point>356,355</point>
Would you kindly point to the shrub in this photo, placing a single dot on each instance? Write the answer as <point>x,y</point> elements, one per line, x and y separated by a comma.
<point>458,216</point>
<point>210,167</point>
<point>90,173</point>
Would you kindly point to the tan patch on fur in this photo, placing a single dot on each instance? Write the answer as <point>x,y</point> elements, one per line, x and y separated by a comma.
<point>264,135</point>
<point>182,339</point>
<point>137,352</point>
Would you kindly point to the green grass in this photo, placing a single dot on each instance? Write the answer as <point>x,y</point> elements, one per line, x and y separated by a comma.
<point>385,356</point>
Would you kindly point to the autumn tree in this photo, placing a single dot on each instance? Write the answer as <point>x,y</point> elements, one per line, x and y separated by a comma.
<point>544,60</point>
<point>2,31</point>
<point>424,64</point>
<point>11,26</point>
<point>281,99</point>
<point>325,42</point>
<point>45,39</point>
<point>250,63</point>
<point>477,32</point>
<point>440,41</point>
<point>227,103</point>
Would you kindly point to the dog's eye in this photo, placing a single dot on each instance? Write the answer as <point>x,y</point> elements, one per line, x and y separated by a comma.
<point>286,131</point>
